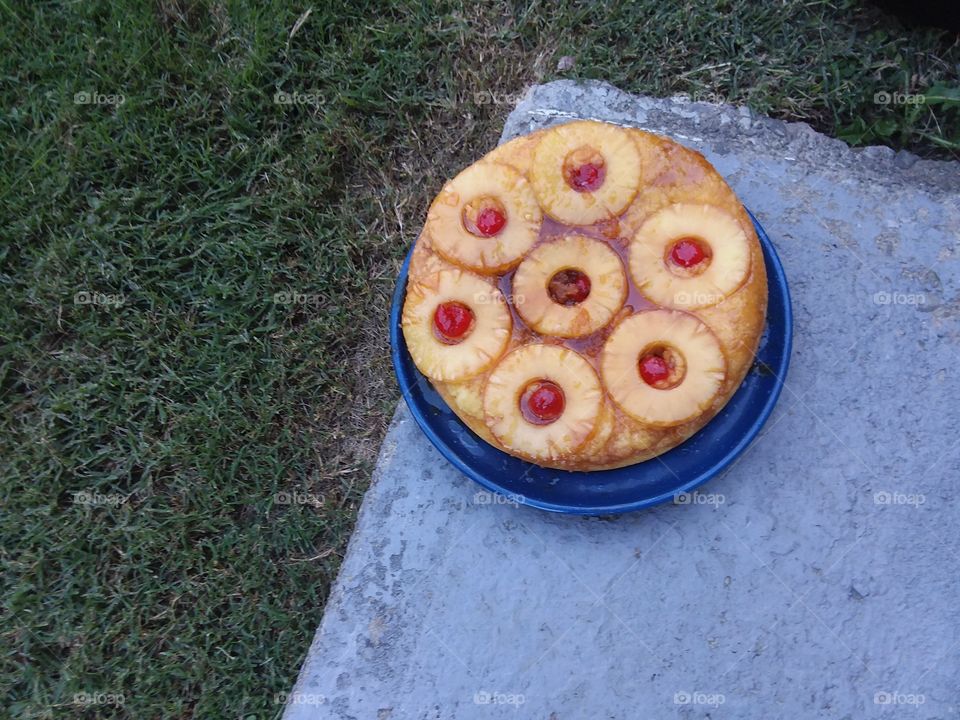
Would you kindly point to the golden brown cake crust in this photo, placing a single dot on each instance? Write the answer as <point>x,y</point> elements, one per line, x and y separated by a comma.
<point>673,174</point>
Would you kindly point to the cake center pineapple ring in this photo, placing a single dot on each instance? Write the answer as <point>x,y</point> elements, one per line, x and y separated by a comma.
<point>569,287</point>
<point>542,402</point>
<point>688,256</point>
<point>661,366</point>
<point>584,169</point>
<point>452,322</point>
<point>484,216</point>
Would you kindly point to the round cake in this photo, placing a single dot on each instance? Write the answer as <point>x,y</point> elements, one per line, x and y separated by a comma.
<point>587,296</point>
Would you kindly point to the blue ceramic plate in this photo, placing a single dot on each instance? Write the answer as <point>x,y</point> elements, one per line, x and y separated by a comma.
<point>608,492</point>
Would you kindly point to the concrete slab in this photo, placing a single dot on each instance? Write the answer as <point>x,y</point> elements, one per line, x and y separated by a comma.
<point>816,578</point>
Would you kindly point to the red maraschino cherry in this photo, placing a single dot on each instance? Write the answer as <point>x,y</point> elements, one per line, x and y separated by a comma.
<point>490,221</point>
<point>544,401</point>
<point>452,320</point>
<point>586,178</point>
<point>654,369</point>
<point>687,252</point>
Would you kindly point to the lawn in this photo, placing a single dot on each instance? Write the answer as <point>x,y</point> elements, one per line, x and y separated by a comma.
<point>204,205</point>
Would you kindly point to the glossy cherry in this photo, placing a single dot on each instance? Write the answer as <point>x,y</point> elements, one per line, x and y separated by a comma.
<point>654,369</point>
<point>452,320</point>
<point>544,401</point>
<point>586,178</point>
<point>490,221</point>
<point>687,253</point>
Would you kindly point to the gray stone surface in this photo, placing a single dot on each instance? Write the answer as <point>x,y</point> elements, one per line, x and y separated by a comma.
<point>816,579</point>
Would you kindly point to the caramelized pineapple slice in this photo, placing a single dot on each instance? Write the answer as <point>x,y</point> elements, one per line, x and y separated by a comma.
<point>569,287</point>
<point>689,256</point>
<point>584,172</point>
<point>542,402</point>
<point>456,325</point>
<point>663,367</point>
<point>485,219</point>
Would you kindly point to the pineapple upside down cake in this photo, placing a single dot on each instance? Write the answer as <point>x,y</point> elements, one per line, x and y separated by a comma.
<point>586,297</point>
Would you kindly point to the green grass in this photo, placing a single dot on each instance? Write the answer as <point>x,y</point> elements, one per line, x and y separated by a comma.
<point>189,397</point>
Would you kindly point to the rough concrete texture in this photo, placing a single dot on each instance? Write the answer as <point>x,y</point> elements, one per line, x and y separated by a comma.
<point>816,579</point>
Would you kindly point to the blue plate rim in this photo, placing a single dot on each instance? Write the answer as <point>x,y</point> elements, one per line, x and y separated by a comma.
<point>776,282</point>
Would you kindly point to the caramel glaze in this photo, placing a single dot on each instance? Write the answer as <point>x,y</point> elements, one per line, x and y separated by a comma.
<point>590,345</point>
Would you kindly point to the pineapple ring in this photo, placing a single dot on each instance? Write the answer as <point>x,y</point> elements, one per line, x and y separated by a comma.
<point>594,258</point>
<point>622,167</point>
<point>484,344</point>
<point>725,272</point>
<point>701,351</point>
<point>583,401</point>
<point>500,252</point>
